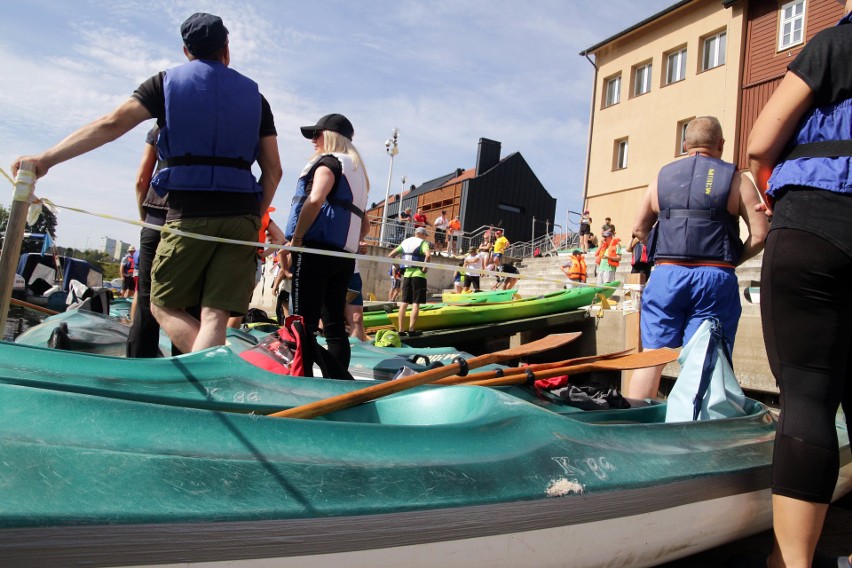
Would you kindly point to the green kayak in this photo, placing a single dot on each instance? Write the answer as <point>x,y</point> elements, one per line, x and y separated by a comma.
<point>481,297</point>
<point>445,316</point>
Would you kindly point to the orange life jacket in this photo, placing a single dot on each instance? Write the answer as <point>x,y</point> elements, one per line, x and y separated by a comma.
<point>612,256</point>
<point>610,252</point>
<point>577,272</point>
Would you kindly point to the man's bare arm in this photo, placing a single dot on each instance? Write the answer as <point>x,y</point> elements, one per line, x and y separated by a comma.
<point>755,220</point>
<point>144,175</point>
<point>647,213</point>
<point>93,135</point>
<point>269,161</point>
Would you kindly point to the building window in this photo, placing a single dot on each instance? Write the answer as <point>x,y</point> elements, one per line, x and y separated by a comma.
<point>641,79</point>
<point>714,51</point>
<point>676,66</point>
<point>681,136</point>
<point>619,161</point>
<point>510,208</point>
<point>613,91</point>
<point>792,27</point>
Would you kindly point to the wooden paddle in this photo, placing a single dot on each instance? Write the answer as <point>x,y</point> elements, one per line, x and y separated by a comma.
<point>320,407</point>
<point>23,304</point>
<point>633,361</point>
<point>458,379</point>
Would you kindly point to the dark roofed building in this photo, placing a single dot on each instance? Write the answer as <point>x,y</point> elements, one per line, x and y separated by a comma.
<point>502,192</point>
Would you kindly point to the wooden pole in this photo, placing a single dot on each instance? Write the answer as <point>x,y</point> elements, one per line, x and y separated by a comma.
<point>24,188</point>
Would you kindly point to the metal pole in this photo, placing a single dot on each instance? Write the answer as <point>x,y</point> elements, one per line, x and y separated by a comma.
<point>24,188</point>
<point>392,150</point>
<point>532,240</point>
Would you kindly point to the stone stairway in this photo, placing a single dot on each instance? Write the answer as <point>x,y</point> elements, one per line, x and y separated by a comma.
<point>544,274</point>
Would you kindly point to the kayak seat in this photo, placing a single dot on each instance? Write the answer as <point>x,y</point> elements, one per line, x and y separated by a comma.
<point>432,407</point>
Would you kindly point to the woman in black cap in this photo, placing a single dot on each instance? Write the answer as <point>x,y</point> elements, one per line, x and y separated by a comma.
<point>327,214</point>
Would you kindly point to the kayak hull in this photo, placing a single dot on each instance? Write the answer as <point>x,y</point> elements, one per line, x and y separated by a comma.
<point>416,479</point>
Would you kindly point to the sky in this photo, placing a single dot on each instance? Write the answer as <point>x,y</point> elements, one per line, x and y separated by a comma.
<point>444,72</point>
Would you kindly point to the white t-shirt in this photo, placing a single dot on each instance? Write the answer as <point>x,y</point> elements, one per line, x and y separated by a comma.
<point>474,261</point>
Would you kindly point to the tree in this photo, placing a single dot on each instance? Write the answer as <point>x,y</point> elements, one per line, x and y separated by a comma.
<point>4,217</point>
<point>4,220</point>
<point>45,224</point>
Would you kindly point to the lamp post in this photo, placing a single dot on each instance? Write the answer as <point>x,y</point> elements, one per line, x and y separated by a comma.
<point>392,150</point>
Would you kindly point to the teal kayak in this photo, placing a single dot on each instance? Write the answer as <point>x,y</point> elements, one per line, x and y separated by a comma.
<point>89,332</point>
<point>172,461</point>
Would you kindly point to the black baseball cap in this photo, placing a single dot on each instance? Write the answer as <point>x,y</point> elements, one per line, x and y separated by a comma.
<point>203,34</point>
<point>334,122</point>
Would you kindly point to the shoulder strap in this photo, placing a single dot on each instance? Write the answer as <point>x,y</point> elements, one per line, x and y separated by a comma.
<point>330,199</point>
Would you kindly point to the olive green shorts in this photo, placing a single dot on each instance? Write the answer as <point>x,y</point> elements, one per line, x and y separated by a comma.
<point>188,271</point>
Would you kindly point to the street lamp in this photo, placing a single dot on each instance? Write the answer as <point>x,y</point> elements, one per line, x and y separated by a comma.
<point>392,150</point>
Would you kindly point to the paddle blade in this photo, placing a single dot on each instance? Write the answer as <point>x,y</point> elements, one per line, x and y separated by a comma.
<point>652,358</point>
<point>459,379</point>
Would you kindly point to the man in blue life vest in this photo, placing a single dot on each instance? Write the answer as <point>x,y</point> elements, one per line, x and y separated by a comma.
<point>214,124</point>
<point>414,248</point>
<point>697,203</point>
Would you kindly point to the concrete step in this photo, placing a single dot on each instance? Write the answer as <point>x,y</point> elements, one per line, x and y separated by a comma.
<point>544,274</point>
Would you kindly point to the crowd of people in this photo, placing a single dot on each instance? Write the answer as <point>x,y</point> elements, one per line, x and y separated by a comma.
<point>213,124</point>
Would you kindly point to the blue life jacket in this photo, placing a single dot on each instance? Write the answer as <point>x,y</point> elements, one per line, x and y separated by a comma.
<point>820,153</point>
<point>694,223</point>
<point>211,137</point>
<point>338,224</point>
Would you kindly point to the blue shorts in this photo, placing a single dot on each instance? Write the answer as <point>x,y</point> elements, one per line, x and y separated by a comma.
<point>678,298</point>
<point>356,284</point>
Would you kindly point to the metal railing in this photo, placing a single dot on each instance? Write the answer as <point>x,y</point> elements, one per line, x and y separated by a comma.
<point>546,245</point>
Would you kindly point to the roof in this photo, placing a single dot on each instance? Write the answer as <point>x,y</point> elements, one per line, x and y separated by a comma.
<point>430,185</point>
<point>643,23</point>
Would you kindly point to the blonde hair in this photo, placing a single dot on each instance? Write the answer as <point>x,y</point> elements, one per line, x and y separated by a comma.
<point>332,142</point>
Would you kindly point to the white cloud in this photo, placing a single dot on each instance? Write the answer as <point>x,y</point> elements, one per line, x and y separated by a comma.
<point>445,72</point>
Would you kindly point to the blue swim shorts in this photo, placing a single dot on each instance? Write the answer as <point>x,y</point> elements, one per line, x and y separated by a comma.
<point>678,298</point>
<point>355,284</point>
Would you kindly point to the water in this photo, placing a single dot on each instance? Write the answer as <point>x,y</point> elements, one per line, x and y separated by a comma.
<point>19,320</point>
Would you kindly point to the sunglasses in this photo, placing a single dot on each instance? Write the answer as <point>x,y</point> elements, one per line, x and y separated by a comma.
<point>317,134</point>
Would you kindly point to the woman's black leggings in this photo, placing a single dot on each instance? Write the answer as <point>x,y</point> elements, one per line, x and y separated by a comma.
<point>807,327</point>
<point>319,291</point>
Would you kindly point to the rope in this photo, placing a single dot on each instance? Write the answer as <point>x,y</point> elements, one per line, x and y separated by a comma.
<point>289,248</point>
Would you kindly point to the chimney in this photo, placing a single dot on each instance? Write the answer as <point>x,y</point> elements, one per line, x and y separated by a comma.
<point>487,156</point>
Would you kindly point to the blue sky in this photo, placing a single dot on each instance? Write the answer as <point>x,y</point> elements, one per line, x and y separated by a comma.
<point>445,72</point>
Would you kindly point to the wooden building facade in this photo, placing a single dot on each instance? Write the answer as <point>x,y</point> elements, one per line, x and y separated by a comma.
<point>503,192</point>
<point>769,49</point>
<point>697,57</point>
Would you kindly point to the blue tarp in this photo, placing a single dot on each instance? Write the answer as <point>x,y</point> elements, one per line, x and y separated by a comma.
<point>71,269</point>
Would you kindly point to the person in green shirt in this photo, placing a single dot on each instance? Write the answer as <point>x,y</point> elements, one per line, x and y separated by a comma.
<point>414,248</point>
